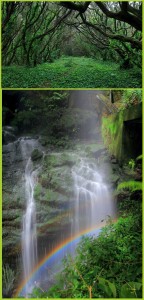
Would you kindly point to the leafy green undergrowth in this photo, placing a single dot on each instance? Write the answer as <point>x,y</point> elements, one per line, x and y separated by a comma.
<point>109,266</point>
<point>71,72</point>
<point>131,185</point>
<point>8,280</point>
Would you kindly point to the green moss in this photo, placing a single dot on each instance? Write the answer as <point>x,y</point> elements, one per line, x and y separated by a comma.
<point>50,160</point>
<point>116,132</point>
<point>50,195</point>
<point>45,194</point>
<point>36,154</point>
<point>11,240</point>
<point>58,159</point>
<point>37,191</point>
<point>11,214</point>
<point>112,132</point>
<point>49,224</point>
<point>55,174</point>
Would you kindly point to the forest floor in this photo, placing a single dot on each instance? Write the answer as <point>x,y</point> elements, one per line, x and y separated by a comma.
<point>71,72</point>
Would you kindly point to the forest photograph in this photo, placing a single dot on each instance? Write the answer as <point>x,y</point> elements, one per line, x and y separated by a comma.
<point>72,193</point>
<point>72,44</point>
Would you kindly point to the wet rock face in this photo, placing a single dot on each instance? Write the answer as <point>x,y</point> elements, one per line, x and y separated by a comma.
<point>36,155</point>
<point>12,165</point>
<point>14,162</point>
<point>8,134</point>
<point>52,192</point>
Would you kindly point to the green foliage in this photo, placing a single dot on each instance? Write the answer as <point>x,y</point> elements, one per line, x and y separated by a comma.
<point>107,287</point>
<point>128,202</point>
<point>139,157</point>
<point>43,115</point>
<point>37,191</point>
<point>131,290</point>
<point>24,118</point>
<point>8,276</point>
<point>77,72</point>
<point>130,185</point>
<point>108,266</point>
<point>36,155</point>
<point>131,163</point>
<point>37,293</point>
<point>127,290</point>
<point>51,195</point>
<point>130,98</point>
<point>34,33</point>
<point>105,267</point>
<point>69,63</point>
<point>125,53</point>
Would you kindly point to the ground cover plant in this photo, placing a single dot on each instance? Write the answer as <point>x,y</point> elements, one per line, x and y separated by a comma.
<point>72,72</point>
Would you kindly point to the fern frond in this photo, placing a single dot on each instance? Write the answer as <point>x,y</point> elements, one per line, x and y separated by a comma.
<point>8,278</point>
<point>130,185</point>
<point>139,157</point>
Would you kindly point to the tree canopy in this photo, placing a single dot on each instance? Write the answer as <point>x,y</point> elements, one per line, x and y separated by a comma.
<point>37,32</point>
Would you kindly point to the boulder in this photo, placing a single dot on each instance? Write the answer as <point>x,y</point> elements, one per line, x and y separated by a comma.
<point>36,154</point>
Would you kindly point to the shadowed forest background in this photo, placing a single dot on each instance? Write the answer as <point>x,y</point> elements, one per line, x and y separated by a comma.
<point>72,44</point>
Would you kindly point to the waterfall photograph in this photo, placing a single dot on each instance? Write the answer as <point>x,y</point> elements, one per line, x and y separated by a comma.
<point>72,193</point>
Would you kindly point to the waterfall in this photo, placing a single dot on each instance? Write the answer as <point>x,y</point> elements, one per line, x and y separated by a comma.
<point>93,201</point>
<point>29,234</point>
<point>89,207</point>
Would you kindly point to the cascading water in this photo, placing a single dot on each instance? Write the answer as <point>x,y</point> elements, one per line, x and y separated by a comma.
<point>91,207</point>
<point>88,208</point>
<point>29,234</point>
<point>93,201</point>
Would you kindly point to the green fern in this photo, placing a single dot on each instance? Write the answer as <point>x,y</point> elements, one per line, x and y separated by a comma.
<point>8,279</point>
<point>130,185</point>
<point>132,164</point>
<point>139,157</point>
<point>128,290</point>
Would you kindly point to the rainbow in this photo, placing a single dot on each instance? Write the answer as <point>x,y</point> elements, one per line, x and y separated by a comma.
<point>52,254</point>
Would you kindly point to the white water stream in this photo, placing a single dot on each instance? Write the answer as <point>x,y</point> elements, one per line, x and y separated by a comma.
<point>92,207</point>
<point>93,201</point>
<point>29,234</point>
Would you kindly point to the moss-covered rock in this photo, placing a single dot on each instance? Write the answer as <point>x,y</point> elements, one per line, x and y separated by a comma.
<point>123,130</point>
<point>53,192</point>
<point>36,155</point>
<point>59,159</point>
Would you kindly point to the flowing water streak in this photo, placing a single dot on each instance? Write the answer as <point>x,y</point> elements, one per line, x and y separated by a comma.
<point>29,234</point>
<point>93,201</point>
